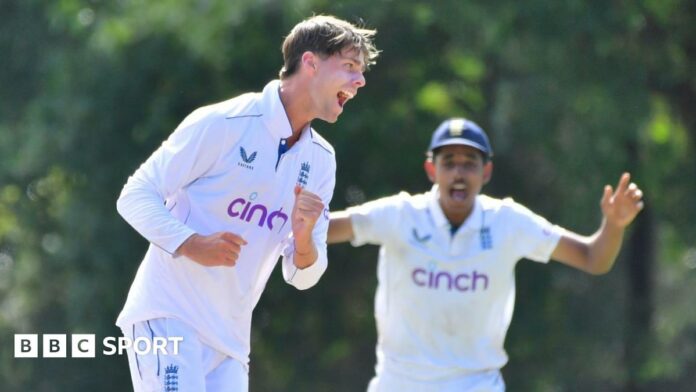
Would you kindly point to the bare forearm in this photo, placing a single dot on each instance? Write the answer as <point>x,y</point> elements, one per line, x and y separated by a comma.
<point>340,228</point>
<point>596,254</point>
<point>605,247</point>
<point>593,254</point>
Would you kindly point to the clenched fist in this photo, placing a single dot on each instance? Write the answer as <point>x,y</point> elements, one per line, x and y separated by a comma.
<point>307,209</point>
<point>217,249</point>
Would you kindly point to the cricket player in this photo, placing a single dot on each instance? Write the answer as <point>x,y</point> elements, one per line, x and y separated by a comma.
<point>237,184</point>
<point>446,282</point>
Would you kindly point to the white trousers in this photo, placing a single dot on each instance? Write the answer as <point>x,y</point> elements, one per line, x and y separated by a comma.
<point>196,367</point>
<point>490,381</point>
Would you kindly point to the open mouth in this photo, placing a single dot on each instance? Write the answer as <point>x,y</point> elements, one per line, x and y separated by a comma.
<point>458,192</point>
<point>343,97</point>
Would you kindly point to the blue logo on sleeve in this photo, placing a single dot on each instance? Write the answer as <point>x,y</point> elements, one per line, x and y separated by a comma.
<point>486,238</point>
<point>304,175</point>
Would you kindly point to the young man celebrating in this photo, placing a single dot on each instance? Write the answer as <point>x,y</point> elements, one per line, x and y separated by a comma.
<point>237,185</point>
<point>446,265</point>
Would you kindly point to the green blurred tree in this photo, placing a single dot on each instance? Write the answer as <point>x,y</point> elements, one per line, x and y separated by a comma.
<point>571,93</point>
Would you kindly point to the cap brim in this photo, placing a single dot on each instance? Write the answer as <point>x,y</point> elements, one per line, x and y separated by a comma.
<point>460,142</point>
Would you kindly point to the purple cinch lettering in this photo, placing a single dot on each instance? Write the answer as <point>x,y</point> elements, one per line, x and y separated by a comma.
<point>418,271</point>
<point>476,277</point>
<point>434,279</point>
<point>244,211</point>
<point>449,280</point>
<point>263,213</point>
<point>230,210</point>
<point>456,282</point>
<point>279,215</point>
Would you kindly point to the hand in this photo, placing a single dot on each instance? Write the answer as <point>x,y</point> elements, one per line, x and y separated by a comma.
<point>621,207</point>
<point>307,209</point>
<point>218,249</point>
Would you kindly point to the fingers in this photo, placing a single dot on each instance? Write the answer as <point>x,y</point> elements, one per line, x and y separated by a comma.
<point>622,206</point>
<point>310,205</point>
<point>229,259</point>
<point>217,249</point>
<point>608,192</point>
<point>301,193</point>
<point>634,194</point>
<point>633,191</point>
<point>307,201</point>
<point>233,238</point>
<point>224,249</point>
<point>306,211</point>
<point>232,247</point>
<point>622,186</point>
<point>640,205</point>
<point>627,190</point>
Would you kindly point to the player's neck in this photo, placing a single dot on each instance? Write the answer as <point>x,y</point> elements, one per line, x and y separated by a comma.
<point>457,217</point>
<point>295,102</point>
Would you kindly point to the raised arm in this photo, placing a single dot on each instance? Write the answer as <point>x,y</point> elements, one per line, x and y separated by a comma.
<point>596,254</point>
<point>340,228</point>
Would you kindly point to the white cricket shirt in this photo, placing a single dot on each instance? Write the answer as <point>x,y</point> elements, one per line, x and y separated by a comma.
<point>444,302</point>
<point>223,169</point>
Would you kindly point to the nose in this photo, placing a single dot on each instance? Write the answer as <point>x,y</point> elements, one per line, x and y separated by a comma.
<point>460,172</point>
<point>360,80</point>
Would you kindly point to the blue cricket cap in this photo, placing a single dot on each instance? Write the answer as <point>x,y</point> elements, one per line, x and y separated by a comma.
<point>460,131</point>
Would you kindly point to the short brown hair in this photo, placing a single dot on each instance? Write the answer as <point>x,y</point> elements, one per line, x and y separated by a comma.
<point>325,35</point>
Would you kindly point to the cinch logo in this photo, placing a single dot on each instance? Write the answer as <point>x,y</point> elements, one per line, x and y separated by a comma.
<point>247,210</point>
<point>434,279</point>
<point>247,159</point>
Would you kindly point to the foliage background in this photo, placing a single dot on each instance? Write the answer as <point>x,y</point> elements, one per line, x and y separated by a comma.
<point>571,93</point>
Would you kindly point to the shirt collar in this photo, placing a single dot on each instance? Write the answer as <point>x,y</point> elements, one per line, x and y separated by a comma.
<point>274,115</point>
<point>473,220</point>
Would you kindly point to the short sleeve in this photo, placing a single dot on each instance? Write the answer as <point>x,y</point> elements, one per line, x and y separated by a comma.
<point>535,237</point>
<point>374,221</point>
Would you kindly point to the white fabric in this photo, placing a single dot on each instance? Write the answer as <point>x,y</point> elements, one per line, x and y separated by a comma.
<point>194,367</point>
<point>489,381</point>
<point>220,171</point>
<point>444,303</point>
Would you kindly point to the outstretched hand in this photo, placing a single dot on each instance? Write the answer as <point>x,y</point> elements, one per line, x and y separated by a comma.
<point>620,207</point>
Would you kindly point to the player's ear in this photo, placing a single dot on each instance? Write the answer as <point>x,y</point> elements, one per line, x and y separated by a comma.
<point>309,60</point>
<point>487,171</point>
<point>429,167</point>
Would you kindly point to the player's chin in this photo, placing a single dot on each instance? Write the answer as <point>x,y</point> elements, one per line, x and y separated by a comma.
<point>458,202</point>
<point>457,205</point>
<point>331,118</point>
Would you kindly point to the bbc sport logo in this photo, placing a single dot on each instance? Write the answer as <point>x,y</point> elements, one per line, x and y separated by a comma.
<point>85,345</point>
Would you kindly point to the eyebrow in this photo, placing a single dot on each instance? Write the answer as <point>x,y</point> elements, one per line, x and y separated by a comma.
<point>354,60</point>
